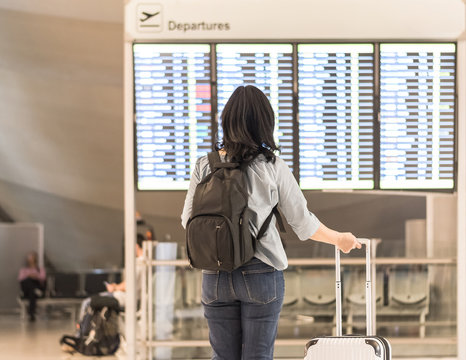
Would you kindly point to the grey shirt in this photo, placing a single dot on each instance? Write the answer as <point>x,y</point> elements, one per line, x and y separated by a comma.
<point>268,184</point>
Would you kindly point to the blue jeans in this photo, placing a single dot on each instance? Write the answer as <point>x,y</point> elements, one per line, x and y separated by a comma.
<point>242,309</point>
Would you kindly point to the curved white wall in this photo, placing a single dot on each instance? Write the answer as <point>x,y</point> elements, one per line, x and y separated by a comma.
<point>102,10</point>
<point>61,101</point>
<point>61,135</point>
<point>61,127</point>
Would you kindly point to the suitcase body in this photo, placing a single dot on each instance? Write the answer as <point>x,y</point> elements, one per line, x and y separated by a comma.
<point>350,347</point>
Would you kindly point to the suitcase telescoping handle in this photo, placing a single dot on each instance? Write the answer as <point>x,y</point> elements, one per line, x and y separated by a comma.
<point>338,296</point>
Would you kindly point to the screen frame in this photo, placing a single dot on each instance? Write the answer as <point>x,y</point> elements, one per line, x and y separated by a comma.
<point>455,120</point>
<point>294,121</point>
<point>294,43</point>
<point>213,119</point>
<point>374,116</point>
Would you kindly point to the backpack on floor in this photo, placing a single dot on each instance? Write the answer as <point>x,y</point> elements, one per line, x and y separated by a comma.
<point>217,233</point>
<point>98,331</point>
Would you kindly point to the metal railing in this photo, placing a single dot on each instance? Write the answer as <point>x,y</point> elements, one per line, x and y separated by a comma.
<point>146,313</point>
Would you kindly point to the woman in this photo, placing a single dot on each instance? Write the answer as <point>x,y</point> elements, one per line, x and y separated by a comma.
<point>242,308</point>
<point>32,280</point>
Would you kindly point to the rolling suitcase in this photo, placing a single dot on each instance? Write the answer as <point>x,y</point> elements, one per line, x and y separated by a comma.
<point>350,347</point>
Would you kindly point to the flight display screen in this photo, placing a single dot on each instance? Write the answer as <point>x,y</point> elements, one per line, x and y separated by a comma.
<point>336,115</point>
<point>324,92</point>
<point>268,67</point>
<point>417,123</point>
<point>173,112</point>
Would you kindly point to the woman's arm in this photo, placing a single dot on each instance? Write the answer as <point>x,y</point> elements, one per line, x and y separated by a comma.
<point>188,202</point>
<point>344,241</point>
<point>22,274</point>
<point>305,224</point>
<point>116,287</point>
<point>31,273</point>
<point>121,286</point>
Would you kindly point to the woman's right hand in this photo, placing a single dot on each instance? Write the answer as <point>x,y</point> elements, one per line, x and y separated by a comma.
<point>347,242</point>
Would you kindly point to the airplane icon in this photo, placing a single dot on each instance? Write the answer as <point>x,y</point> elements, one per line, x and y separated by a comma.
<point>148,15</point>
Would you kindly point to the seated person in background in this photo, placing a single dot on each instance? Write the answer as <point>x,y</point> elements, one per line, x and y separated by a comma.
<point>144,228</point>
<point>118,290</point>
<point>32,280</point>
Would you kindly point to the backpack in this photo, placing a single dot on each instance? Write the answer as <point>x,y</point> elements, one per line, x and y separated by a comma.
<point>98,330</point>
<point>217,233</point>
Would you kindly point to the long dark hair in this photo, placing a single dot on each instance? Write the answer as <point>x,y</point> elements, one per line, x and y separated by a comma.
<point>248,122</point>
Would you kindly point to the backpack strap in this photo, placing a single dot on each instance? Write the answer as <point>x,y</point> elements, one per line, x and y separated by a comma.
<point>214,160</point>
<point>281,226</point>
<point>70,341</point>
<point>267,221</point>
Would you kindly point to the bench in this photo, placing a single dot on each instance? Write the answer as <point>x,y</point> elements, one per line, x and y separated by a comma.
<point>69,305</point>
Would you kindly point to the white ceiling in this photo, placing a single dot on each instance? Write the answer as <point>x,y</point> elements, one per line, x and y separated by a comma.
<point>97,10</point>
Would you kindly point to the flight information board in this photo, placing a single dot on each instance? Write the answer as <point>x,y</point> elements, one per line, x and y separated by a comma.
<point>336,104</point>
<point>336,114</point>
<point>173,112</point>
<point>268,67</point>
<point>417,116</point>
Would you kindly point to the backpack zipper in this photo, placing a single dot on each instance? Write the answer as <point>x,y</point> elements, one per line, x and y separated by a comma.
<point>217,228</point>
